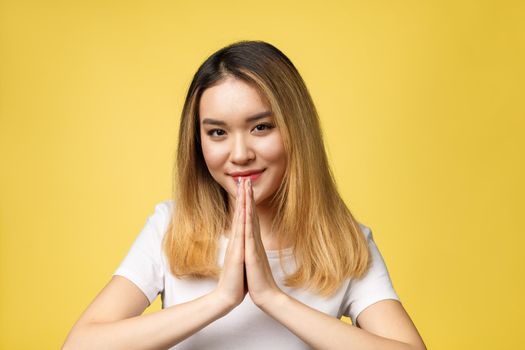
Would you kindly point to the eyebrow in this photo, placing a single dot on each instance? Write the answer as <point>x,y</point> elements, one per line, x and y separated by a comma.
<point>248,120</point>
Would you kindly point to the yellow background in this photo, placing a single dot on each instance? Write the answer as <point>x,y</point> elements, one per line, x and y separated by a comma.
<point>421,104</point>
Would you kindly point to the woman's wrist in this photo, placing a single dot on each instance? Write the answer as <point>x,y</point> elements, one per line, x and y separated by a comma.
<point>272,300</point>
<point>223,303</point>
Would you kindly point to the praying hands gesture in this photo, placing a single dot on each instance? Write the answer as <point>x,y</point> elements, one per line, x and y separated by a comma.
<point>246,268</point>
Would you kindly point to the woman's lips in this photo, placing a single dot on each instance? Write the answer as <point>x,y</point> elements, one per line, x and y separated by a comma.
<point>253,177</point>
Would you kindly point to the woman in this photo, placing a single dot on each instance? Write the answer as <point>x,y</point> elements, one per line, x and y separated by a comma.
<point>255,211</point>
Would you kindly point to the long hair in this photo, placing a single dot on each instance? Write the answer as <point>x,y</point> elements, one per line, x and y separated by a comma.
<point>327,241</point>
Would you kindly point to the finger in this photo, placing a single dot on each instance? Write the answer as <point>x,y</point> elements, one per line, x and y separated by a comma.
<point>255,236</point>
<point>238,232</point>
<point>251,198</point>
<point>249,234</point>
<point>242,206</point>
<point>237,202</point>
<point>236,211</point>
<point>236,223</point>
<point>255,218</point>
<point>249,225</point>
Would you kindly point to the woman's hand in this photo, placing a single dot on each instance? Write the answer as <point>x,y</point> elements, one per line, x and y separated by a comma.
<point>246,268</point>
<point>232,288</point>
<point>261,284</point>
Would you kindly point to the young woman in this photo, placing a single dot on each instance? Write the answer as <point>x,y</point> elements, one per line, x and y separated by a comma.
<point>257,250</point>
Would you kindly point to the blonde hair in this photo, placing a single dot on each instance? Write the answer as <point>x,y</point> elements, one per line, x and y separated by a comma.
<point>327,241</point>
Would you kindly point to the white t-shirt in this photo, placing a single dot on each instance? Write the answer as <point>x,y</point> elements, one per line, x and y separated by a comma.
<point>246,326</point>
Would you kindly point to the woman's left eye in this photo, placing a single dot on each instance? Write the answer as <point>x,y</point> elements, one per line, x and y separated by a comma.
<point>265,126</point>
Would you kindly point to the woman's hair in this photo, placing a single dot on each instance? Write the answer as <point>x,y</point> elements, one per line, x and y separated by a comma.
<point>327,241</point>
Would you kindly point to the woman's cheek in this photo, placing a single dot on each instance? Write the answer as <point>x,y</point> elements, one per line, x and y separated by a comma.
<point>272,147</point>
<point>214,155</point>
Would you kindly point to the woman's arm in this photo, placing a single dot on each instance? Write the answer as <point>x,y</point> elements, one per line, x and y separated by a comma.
<point>113,320</point>
<point>384,325</point>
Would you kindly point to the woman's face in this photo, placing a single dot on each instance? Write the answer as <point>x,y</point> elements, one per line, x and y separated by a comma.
<point>238,135</point>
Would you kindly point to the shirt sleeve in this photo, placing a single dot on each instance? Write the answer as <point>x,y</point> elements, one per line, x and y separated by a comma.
<point>143,263</point>
<point>374,286</point>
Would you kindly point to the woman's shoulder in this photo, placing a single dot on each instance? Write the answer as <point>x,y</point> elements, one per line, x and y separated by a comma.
<point>158,221</point>
<point>164,207</point>
<point>367,232</point>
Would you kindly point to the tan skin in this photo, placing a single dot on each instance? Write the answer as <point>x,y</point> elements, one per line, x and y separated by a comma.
<point>383,325</point>
<point>244,146</point>
<point>246,249</point>
<point>114,319</point>
<point>261,284</point>
<point>233,141</point>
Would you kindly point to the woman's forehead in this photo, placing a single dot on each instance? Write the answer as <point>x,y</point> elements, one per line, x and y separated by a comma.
<point>232,100</point>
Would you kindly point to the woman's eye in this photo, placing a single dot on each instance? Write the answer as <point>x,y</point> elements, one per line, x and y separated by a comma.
<point>210,132</point>
<point>265,126</point>
<point>259,127</point>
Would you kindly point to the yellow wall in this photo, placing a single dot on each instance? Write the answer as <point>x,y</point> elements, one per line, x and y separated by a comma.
<point>422,108</point>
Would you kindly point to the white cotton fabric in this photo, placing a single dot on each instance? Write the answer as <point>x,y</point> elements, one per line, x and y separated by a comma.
<point>246,326</point>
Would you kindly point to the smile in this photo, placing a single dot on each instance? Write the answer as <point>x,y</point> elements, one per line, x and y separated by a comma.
<point>253,177</point>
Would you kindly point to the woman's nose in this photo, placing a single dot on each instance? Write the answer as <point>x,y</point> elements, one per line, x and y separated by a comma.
<point>241,151</point>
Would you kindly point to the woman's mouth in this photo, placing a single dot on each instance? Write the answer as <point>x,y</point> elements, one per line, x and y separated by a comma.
<point>253,177</point>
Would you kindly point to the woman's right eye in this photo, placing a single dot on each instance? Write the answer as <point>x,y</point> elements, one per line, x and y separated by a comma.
<point>210,132</point>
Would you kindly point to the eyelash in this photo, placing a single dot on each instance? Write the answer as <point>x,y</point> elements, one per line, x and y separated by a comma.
<point>267,125</point>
